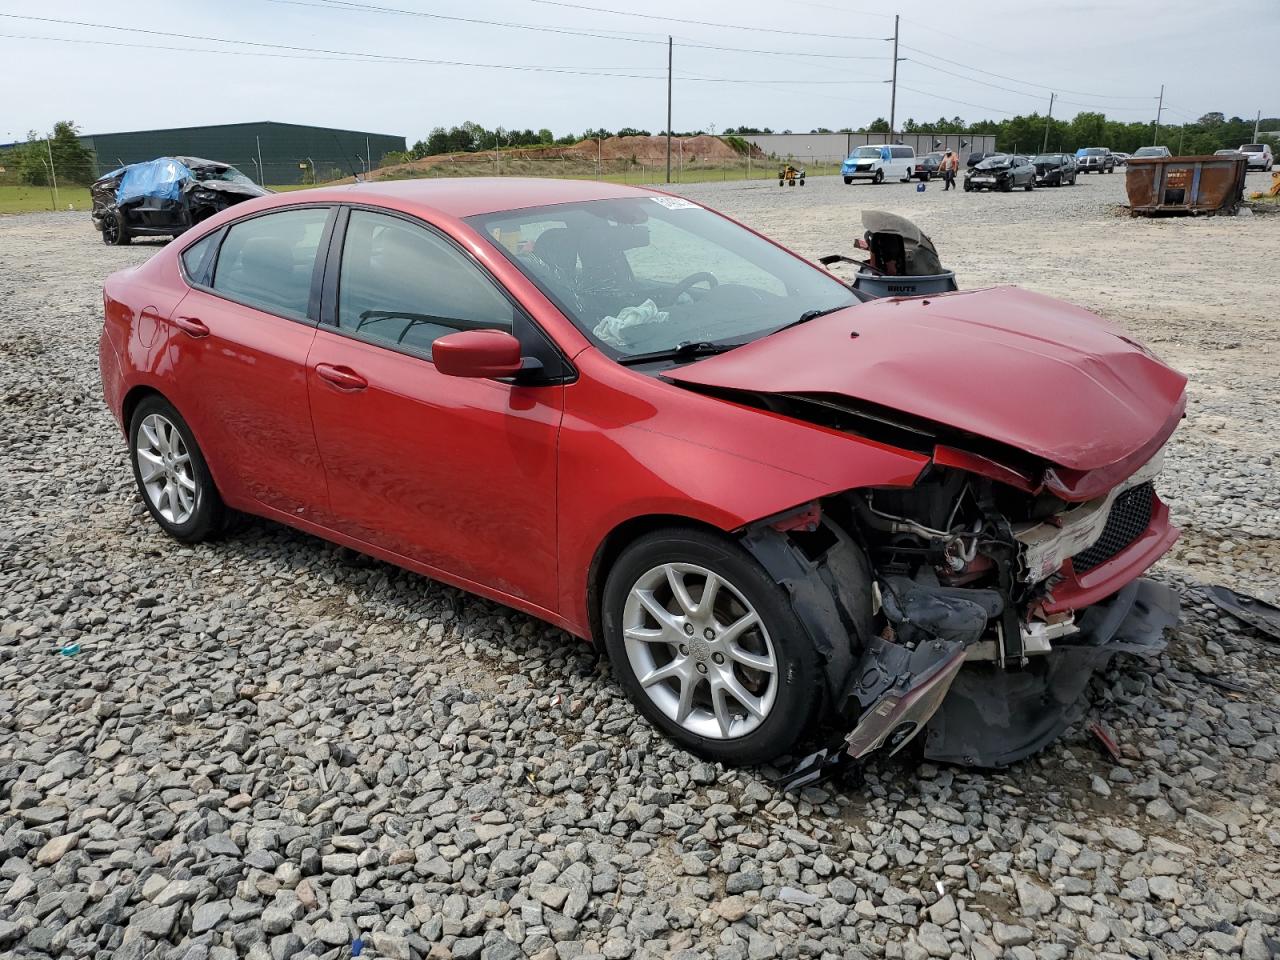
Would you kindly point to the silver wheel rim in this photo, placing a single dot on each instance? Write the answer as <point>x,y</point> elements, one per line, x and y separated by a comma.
<point>700,651</point>
<point>164,464</point>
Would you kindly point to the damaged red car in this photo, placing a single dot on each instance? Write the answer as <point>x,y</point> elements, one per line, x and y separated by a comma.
<point>777,507</point>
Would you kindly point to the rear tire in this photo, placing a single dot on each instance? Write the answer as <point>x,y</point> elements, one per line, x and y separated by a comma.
<point>115,232</point>
<point>688,701</point>
<point>177,488</point>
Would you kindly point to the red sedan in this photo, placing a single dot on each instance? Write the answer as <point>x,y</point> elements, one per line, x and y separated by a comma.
<point>774,505</point>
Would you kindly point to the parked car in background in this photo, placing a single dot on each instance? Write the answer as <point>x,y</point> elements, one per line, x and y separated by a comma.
<point>1095,160</point>
<point>879,162</point>
<point>165,197</point>
<point>1227,153</point>
<point>927,166</point>
<point>624,414</point>
<point>1257,156</point>
<point>1121,158</point>
<point>976,158</point>
<point>1001,172</point>
<point>1054,169</point>
<point>1142,152</point>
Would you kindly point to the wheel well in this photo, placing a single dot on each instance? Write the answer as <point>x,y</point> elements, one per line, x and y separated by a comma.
<point>131,401</point>
<point>617,540</point>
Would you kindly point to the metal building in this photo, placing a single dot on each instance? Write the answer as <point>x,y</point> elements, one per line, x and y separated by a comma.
<point>269,152</point>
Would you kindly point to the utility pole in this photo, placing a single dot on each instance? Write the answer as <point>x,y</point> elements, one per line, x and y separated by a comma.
<point>261,173</point>
<point>1159,110</point>
<point>668,109</point>
<point>893,93</point>
<point>53,174</point>
<point>1047,122</point>
<point>1256,121</point>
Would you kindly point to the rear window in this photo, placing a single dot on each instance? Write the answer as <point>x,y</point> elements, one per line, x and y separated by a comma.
<point>195,259</point>
<point>267,261</point>
<point>1252,148</point>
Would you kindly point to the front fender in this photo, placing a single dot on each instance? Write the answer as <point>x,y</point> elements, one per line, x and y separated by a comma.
<point>633,446</point>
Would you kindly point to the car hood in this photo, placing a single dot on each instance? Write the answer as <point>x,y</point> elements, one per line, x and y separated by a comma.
<point>1005,364</point>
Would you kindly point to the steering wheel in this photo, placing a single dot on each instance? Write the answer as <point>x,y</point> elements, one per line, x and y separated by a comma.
<point>685,285</point>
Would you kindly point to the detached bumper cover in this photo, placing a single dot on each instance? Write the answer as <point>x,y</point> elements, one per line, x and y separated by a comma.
<point>994,717</point>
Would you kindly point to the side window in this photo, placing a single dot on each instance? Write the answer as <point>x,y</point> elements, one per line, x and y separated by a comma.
<point>195,259</point>
<point>402,285</point>
<point>901,152</point>
<point>267,261</point>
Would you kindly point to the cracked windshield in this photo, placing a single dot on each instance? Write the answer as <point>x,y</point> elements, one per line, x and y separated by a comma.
<point>646,275</point>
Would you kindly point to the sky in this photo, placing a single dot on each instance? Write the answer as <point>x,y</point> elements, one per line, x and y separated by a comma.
<point>376,65</point>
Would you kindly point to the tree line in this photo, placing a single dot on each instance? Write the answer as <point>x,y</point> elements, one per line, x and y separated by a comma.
<point>1213,131</point>
<point>29,162</point>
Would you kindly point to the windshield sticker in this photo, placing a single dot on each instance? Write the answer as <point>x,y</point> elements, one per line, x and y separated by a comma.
<point>675,203</point>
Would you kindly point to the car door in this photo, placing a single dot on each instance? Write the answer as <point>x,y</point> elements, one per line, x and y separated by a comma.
<point>456,475</point>
<point>238,354</point>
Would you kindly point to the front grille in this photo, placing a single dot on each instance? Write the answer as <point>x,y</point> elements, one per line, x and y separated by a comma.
<point>1130,516</point>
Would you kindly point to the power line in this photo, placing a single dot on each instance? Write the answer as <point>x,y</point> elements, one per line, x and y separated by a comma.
<point>700,23</point>
<point>979,106</point>
<point>350,6</point>
<point>1020,93</point>
<point>353,56</point>
<point>1028,83</point>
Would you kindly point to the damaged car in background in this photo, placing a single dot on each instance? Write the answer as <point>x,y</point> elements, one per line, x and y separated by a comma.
<point>165,197</point>
<point>781,510</point>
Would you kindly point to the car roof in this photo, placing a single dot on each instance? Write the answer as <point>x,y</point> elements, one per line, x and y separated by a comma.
<point>468,196</point>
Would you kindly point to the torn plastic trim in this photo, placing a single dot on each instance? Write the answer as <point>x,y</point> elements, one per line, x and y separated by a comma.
<point>993,717</point>
<point>830,594</point>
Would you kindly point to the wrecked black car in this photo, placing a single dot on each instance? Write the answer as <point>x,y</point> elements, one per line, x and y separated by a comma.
<point>165,197</point>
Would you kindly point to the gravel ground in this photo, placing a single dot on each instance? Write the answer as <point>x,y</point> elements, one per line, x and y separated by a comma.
<point>271,746</point>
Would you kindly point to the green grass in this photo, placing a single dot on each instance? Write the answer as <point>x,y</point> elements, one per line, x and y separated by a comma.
<point>618,171</point>
<point>16,198</point>
<point>23,199</point>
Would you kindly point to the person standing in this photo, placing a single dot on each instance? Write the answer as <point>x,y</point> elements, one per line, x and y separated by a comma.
<point>950,164</point>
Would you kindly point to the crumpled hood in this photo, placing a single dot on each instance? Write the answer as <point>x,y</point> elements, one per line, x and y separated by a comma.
<point>1005,364</point>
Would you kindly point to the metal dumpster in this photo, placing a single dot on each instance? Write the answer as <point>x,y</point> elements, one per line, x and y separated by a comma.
<point>1182,185</point>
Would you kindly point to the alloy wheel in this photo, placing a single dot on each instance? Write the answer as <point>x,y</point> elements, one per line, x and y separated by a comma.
<point>164,464</point>
<point>700,651</point>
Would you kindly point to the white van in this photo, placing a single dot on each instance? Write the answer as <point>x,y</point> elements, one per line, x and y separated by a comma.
<point>879,162</point>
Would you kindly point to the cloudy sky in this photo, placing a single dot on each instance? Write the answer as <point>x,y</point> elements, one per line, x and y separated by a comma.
<point>376,64</point>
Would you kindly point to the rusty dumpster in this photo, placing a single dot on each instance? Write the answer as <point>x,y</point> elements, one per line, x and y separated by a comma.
<point>1185,185</point>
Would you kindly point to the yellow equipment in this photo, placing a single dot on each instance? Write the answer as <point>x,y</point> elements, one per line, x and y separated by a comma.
<point>1274,190</point>
<point>790,174</point>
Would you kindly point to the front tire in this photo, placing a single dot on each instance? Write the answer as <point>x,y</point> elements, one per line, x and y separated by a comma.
<point>848,180</point>
<point>172,477</point>
<point>879,177</point>
<point>707,647</point>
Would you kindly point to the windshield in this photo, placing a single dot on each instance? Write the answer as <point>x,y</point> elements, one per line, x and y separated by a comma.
<point>1048,158</point>
<point>646,274</point>
<point>1095,152</point>
<point>228,174</point>
<point>864,153</point>
<point>1150,152</point>
<point>994,163</point>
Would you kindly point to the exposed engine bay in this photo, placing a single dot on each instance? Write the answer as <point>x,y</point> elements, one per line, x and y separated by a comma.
<point>962,634</point>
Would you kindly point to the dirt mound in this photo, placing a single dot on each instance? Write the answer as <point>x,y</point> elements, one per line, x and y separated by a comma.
<point>647,150</point>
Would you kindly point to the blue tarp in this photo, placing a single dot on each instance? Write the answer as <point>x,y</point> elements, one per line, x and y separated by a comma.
<point>159,179</point>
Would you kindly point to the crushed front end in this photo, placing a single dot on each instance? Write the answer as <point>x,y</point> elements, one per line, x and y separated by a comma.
<point>994,595</point>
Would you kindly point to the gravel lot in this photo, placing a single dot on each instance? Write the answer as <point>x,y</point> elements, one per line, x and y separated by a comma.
<point>270,746</point>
